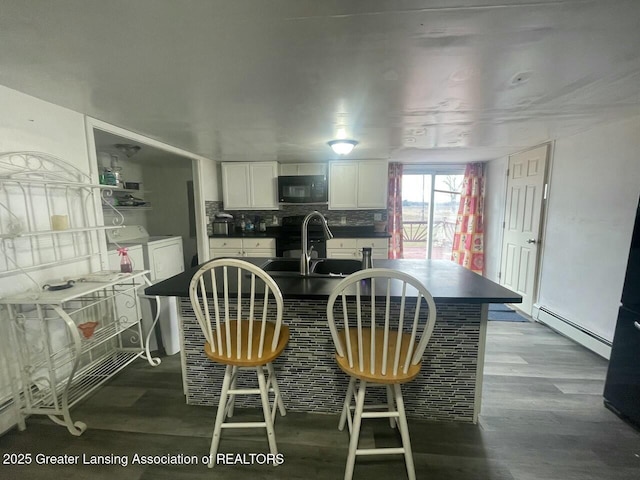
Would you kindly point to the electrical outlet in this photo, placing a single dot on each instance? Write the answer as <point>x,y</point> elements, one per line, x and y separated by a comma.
<point>343,220</point>
<point>377,217</point>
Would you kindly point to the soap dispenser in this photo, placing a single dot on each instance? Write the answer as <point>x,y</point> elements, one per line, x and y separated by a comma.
<point>367,262</point>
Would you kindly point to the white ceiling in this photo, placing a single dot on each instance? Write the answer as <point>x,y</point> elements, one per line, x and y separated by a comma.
<point>423,81</point>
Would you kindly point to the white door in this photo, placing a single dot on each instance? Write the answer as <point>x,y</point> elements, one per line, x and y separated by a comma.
<point>521,239</point>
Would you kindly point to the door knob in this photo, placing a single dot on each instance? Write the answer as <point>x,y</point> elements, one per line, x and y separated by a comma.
<point>531,240</point>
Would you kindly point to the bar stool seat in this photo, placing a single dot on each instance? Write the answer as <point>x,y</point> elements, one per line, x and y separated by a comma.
<point>378,377</point>
<point>249,357</point>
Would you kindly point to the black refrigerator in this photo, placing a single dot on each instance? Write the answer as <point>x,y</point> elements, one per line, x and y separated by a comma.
<point>622,387</point>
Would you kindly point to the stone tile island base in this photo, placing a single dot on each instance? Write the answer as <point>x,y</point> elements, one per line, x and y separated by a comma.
<point>448,387</point>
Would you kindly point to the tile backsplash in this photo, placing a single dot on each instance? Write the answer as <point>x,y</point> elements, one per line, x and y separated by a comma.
<point>334,217</point>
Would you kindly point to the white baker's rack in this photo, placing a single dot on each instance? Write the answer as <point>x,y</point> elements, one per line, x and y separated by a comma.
<point>59,366</point>
<point>58,370</point>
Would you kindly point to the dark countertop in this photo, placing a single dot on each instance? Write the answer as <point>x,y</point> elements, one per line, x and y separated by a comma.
<point>248,235</point>
<point>357,232</point>
<point>445,280</point>
<point>338,232</point>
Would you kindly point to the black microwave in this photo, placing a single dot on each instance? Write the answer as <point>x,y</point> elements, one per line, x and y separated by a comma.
<point>302,189</point>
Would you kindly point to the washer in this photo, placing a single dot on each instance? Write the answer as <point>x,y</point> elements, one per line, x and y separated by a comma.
<point>163,257</point>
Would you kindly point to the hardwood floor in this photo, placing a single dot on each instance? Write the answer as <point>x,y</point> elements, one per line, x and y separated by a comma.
<point>542,418</point>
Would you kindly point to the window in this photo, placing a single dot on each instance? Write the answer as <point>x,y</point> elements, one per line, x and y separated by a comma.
<point>430,201</point>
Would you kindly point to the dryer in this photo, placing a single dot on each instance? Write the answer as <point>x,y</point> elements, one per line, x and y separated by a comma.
<point>163,257</point>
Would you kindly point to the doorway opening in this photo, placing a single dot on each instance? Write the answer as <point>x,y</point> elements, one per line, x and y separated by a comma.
<point>430,202</point>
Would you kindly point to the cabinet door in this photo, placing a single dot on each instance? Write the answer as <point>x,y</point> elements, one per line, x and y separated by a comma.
<point>342,243</point>
<point>379,247</point>
<point>260,252</point>
<point>236,186</point>
<point>343,185</point>
<point>225,243</point>
<point>372,184</point>
<point>258,243</point>
<point>342,253</point>
<point>264,189</point>
<point>372,243</point>
<point>225,252</point>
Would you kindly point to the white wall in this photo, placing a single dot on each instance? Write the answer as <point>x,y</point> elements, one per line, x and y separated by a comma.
<point>594,187</point>
<point>27,123</point>
<point>494,205</point>
<point>170,202</point>
<point>211,181</point>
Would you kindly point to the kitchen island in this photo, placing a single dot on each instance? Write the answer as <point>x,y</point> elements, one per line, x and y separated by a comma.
<point>449,386</point>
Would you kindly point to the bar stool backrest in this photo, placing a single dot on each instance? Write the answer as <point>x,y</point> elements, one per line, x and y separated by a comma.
<point>257,301</point>
<point>388,303</point>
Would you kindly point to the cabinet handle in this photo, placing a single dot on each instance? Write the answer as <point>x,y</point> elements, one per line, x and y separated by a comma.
<point>637,325</point>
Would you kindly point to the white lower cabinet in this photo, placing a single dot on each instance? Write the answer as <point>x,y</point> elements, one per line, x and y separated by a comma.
<point>352,247</point>
<point>242,247</point>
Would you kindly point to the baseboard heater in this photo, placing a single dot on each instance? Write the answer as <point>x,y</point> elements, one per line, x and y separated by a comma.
<point>572,330</point>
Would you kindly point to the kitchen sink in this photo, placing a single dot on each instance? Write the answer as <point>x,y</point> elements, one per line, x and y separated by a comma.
<point>282,265</point>
<point>321,267</point>
<point>336,266</point>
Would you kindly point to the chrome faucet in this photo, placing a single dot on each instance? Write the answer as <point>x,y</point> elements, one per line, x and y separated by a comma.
<point>305,258</point>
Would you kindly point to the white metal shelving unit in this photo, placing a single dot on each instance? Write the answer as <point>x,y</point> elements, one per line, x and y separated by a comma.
<point>48,218</point>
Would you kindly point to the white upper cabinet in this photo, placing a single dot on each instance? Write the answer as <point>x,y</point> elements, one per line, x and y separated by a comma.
<point>264,188</point>
<point>235,185</point>
<point>303,169</point>
<point>358,184</point>
<point>249,185</point>
<point>343,179</point>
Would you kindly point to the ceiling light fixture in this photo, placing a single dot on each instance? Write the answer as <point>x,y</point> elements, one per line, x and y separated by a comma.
<point>128,149</point>
<point>342,147</point>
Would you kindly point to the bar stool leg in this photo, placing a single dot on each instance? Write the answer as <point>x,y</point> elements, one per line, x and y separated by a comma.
<point>391,406</point>
<point>355,434</point>
<point>346,406</point>
<point>222,404</point>
<point>276,389</point>
<point>404,433</point>
<point>232,397</point>
<point>268,420</point>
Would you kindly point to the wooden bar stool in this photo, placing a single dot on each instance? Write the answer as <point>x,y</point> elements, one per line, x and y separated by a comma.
<point>380,332</point>
<point>253,340</point>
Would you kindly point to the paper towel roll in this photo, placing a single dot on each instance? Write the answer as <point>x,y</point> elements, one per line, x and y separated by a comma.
<point>59,222</point>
